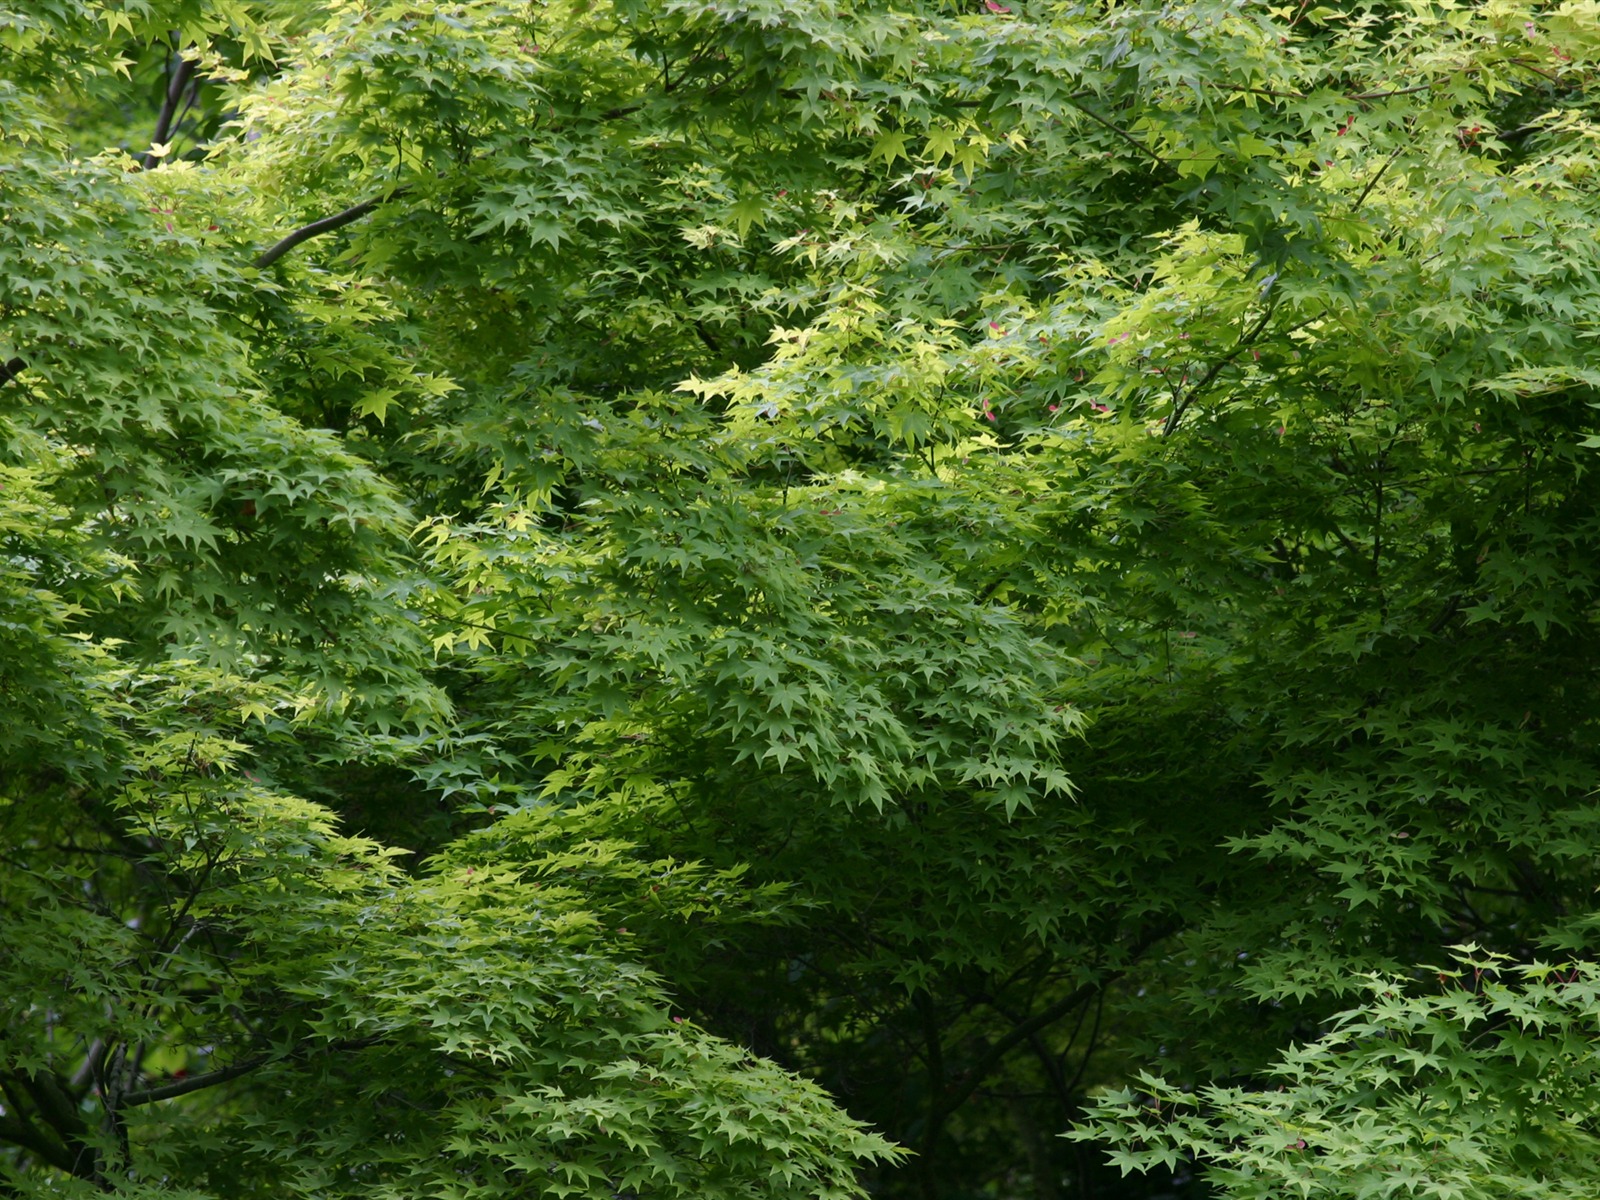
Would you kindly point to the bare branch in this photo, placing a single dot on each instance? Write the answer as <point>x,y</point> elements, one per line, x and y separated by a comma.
<point>176,86</point>
<point>326,225</point>
<point>997,1051</point>
<point>19,1130</point>
<point>1377,175</point>
<point>194,1083</point>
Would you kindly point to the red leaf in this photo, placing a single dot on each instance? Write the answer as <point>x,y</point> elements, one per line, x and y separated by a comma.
<point>995,8</point>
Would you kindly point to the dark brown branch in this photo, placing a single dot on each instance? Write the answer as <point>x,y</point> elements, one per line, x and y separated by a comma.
<point>70,1154</point>
<point>24,1134</point>
<point>54,1104</point>
<point>176,87</point>
<point>1053,1075</point>
<point>707,337</point>
<point>1238,89</point>
<point>195,1083</point>
<point>326,225</point>
<point>1354,97</point>
<point>188,104</point>
<point>1089,1046</point>
<point>1407,91</point>
<point>1451,608</point>
<point>182,1087</point>
<point>997,1051</point>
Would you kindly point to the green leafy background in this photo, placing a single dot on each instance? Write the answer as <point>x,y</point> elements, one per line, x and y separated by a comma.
<point>753,598</point>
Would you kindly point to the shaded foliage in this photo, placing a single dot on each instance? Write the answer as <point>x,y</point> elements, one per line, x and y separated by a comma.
<point>664,598</point>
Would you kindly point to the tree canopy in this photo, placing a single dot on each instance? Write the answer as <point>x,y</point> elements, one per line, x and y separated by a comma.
<point>789,598</point>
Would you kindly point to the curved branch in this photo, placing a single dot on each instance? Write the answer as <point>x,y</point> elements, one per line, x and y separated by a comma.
<point>194,1083</point>
<point>19,1129</point>
<point>55,1105</point>
<point>326,225</point>
<point>996,1053</point>
<point>13,367</point>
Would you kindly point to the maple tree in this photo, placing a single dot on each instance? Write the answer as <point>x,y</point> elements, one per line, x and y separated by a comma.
<point>758,598</point>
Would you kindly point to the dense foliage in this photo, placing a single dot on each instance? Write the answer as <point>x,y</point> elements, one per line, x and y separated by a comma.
<point>795,598</point>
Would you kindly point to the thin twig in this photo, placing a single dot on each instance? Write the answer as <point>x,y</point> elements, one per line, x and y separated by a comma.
<point>1094,1037</point>
<point>1408,91</point>
<point>1118,130</point>
<point>1243,344</point>
<point>1373,182</point>
<point>962,1090</point>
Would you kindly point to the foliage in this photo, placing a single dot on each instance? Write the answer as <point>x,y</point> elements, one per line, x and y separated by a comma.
<point>577,579</point>
<point>1483,1088</point>
<point>471,1028</point>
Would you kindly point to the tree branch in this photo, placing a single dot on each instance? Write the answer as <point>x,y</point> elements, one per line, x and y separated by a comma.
<point>54,1104</point>
<point>1377,175</point>
<point>195,1083</point>
<point>997,1051</point>
<point>24,1134</point>
<point>179,82</point>
<point>326,225</point>
<point>13,367</point>
<point>972,1079</point>
<point>1118,130</point>
<point>182,1087</point>
<point>1243,344</point>
<point>16,1128</point>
